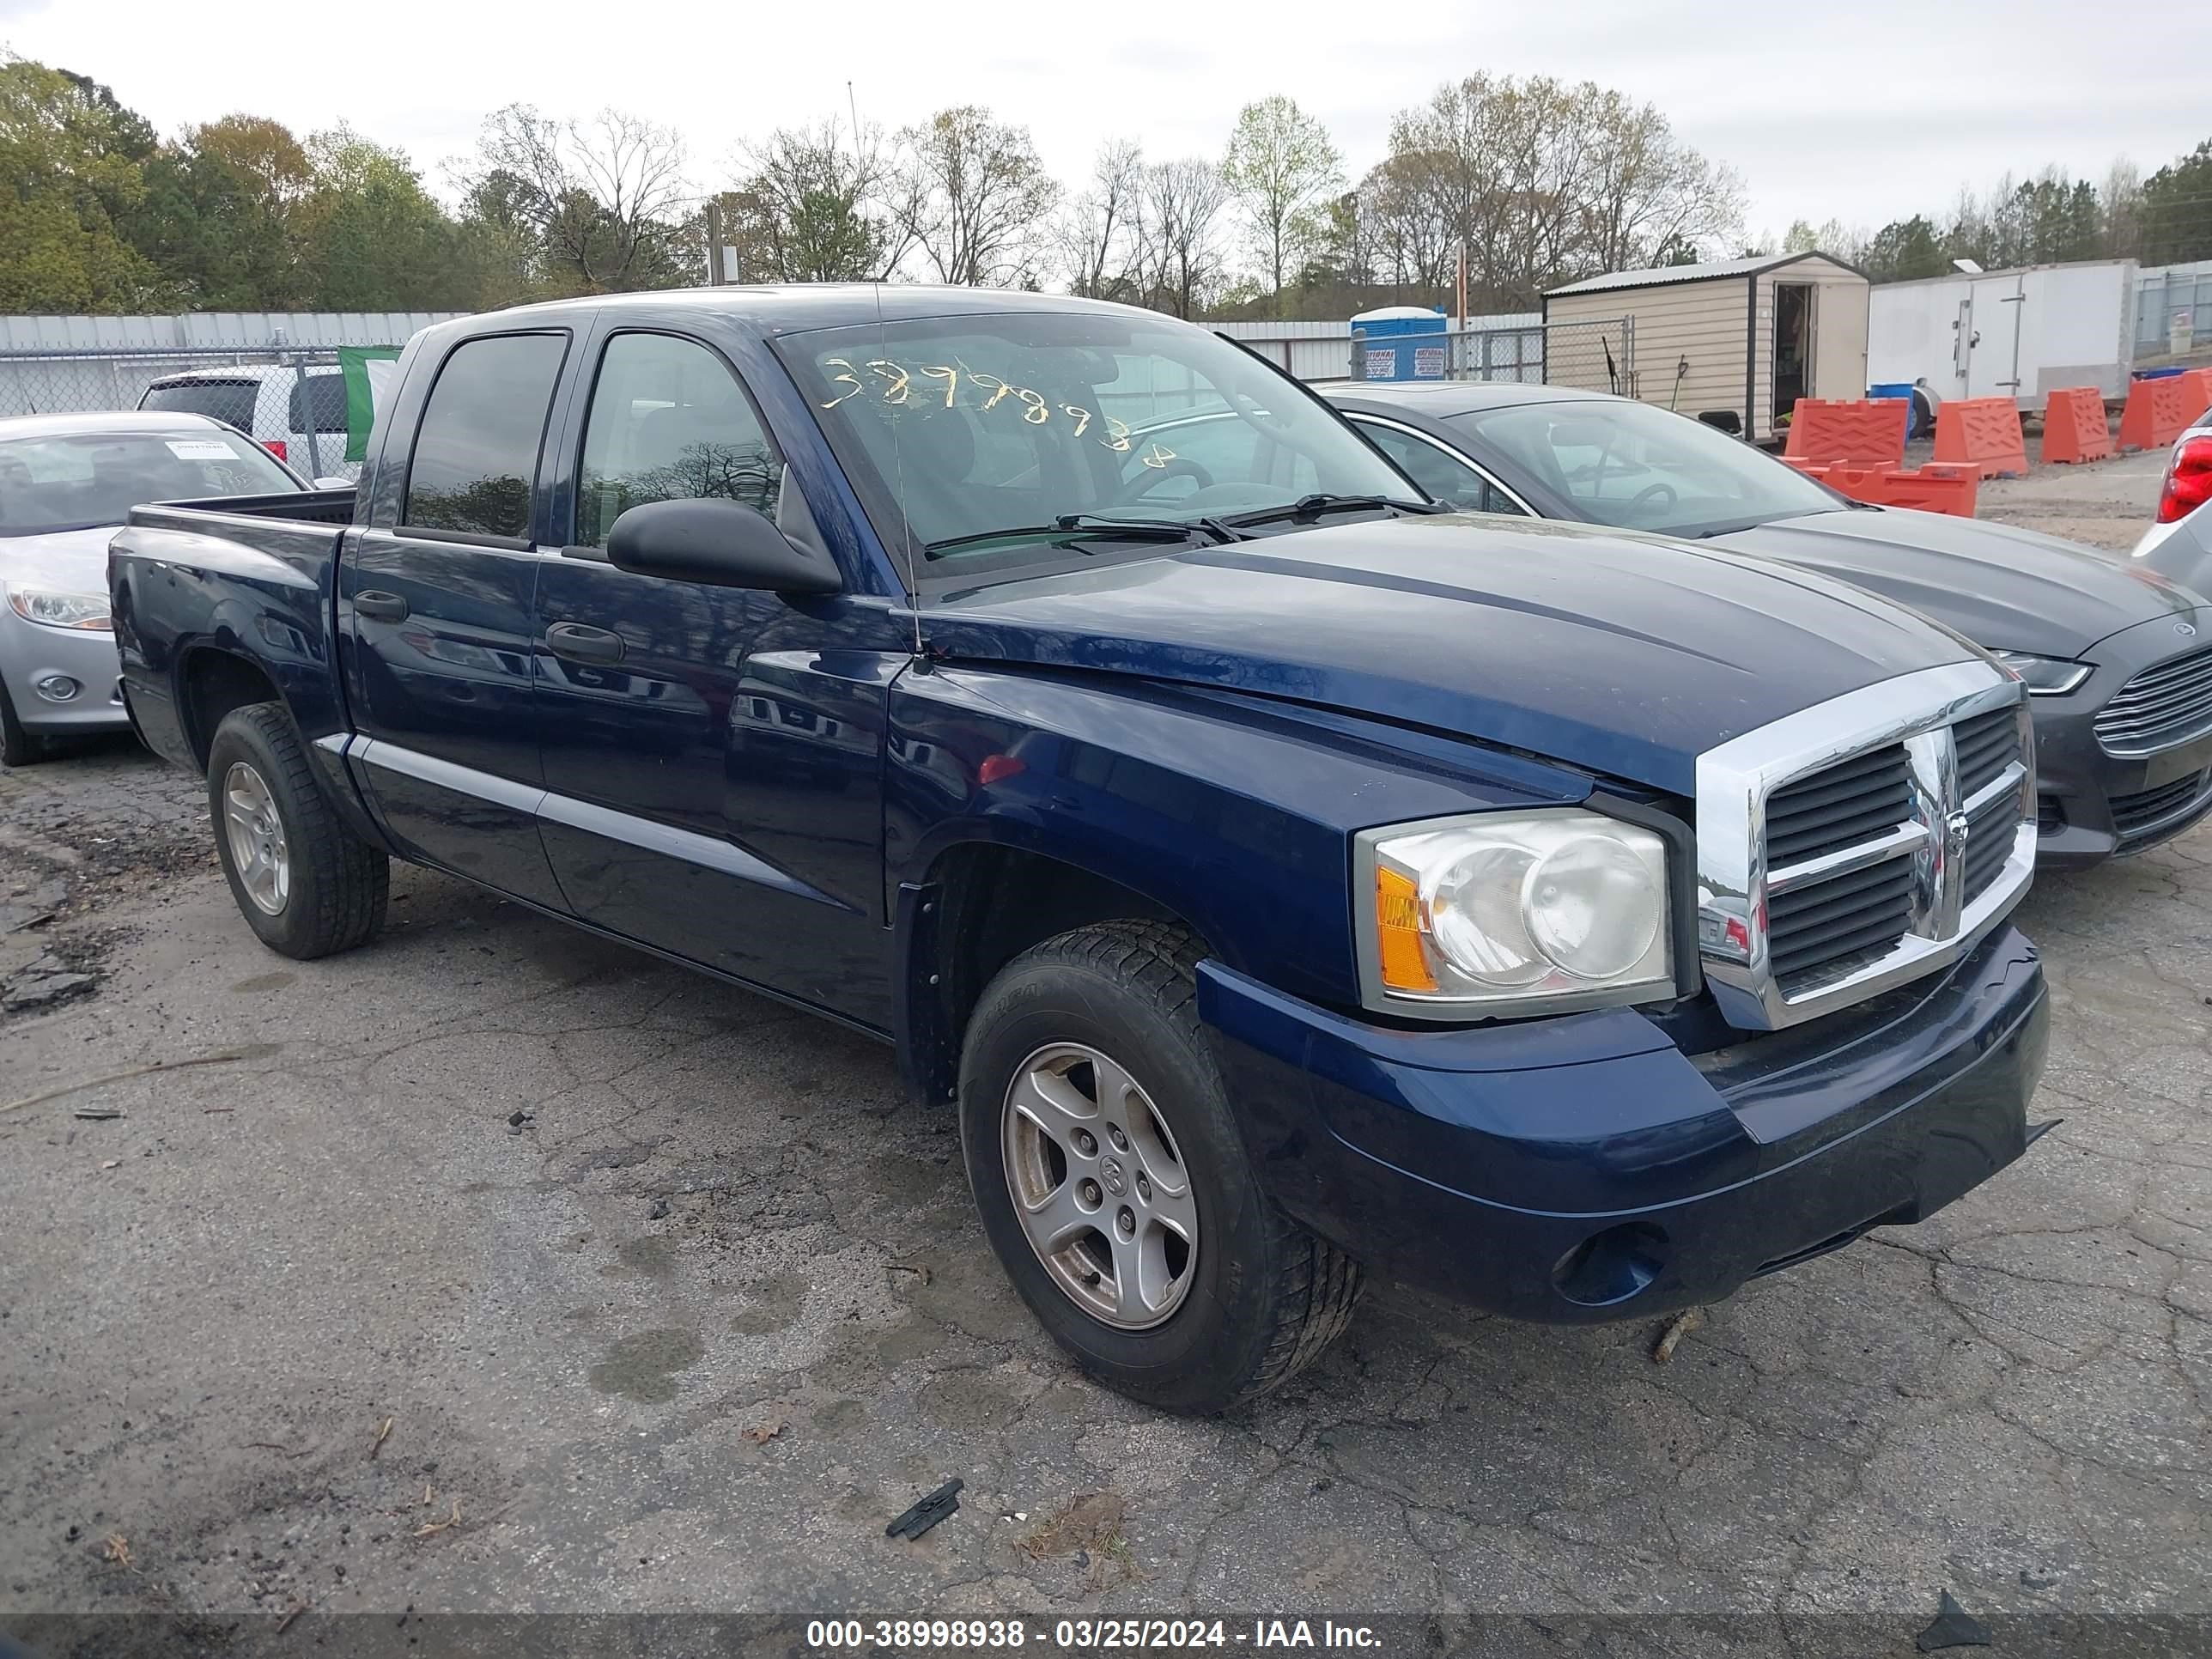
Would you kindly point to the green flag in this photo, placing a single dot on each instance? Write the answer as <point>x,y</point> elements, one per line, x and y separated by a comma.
<point>369,375</point>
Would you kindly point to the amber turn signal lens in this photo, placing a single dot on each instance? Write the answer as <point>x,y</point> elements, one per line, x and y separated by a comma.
<point>1398,926</point>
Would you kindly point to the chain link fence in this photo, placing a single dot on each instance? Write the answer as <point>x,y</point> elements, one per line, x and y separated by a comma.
<point>1592,355</point>
<point>291,399</point>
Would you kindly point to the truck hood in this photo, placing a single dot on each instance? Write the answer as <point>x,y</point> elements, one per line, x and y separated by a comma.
<point>2005,589</point>
<point>1625,655</point>
<point>67,561</point>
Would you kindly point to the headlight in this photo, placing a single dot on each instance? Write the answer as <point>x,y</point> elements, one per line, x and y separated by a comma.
<point>53,610</point>
<point>2046,677</point>
<point>1508,913</point>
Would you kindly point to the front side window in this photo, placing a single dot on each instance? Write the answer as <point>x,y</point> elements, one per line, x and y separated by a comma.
<point>964,427</point>
<point>1637,467</point>
<point>80,479</point>
<point>669,422</point>
<point>476,450</point>
<point>321,396</point>
<point>1438,470</point>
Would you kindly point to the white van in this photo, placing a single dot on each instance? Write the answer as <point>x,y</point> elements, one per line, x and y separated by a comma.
<point>273,404</point>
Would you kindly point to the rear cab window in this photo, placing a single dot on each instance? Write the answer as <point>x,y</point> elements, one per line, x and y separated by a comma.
<point>230,402</point>
<point>475,462</point>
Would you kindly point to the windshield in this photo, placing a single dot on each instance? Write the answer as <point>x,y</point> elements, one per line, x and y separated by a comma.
<point>1637,467</point>
<point>970,426</point>
<point>77,480</point>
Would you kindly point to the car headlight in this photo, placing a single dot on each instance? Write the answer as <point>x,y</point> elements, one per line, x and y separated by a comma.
<point>2046,677</point>
<point>50,608</point>
<point>1503,912</point>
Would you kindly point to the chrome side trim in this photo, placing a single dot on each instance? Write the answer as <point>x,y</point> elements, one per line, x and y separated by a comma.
<point>1736,780</point>
<point>647,835</point>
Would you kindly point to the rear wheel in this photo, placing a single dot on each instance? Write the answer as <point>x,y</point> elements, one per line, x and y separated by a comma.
<point>1114,1184</point>
<point>17,746</point>
<point>306,885</point>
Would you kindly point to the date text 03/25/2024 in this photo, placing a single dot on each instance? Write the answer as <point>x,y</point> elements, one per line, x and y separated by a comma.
<point>1086,1634</point>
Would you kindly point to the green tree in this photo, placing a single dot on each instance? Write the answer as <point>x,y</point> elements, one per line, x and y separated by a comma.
<point>216,215</point>
<point>1282,165</point>
<point>808,209</point>
<point>71,172</point>
<point>2177,209</point>
<point>1904,249</point>
<point>371,238</point>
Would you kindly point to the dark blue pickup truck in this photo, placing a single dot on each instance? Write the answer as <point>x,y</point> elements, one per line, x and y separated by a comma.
<point>1287,878</point>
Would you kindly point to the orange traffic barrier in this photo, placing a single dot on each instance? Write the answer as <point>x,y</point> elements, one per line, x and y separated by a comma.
<point>2076,427</point>
<point>2157,412</point>
<point>1869,431</point>
<point>1935,487</point>
<point>2200,399</point>
<point>1983,432</point>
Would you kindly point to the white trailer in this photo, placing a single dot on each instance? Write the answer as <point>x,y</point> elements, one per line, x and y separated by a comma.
<point>2018,334</point>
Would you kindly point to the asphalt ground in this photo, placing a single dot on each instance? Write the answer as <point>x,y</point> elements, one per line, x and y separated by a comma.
<point>302,1339</point>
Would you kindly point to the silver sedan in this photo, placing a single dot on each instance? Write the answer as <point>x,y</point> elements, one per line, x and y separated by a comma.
<point>66,481</point>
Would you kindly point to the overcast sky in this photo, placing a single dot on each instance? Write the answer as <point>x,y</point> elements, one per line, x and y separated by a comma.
<point>1877,111</point>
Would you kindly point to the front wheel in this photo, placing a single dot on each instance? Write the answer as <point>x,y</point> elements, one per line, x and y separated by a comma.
<point>1114,1184</point>
<point>306,885</point>
<point>17,746</point>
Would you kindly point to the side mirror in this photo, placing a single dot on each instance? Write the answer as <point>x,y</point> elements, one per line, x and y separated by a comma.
<point>719,543</point>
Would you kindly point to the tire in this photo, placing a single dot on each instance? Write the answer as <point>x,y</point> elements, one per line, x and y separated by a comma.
<point>17,746</point>
<point>1258,1296</point>
<point>332,885</point>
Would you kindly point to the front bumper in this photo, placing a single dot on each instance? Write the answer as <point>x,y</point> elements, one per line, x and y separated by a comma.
<point>2092,805</point>
<point>1584,1168</point>
<point>30,653</point>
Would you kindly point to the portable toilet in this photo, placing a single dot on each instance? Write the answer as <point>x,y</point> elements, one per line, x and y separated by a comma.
<point>1403,343</point>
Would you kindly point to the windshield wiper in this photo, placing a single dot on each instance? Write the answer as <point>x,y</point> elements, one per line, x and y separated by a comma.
<point>1307,509</point>
<point>1091,527</point>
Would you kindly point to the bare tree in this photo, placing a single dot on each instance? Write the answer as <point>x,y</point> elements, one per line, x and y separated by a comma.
<point>1100,233</point>
<point>974,197</point>
<point>810,210</point>
<point>2120,211</point>
<point>1282,165</point>
<point>1184,204</point>
<point>605,197</point>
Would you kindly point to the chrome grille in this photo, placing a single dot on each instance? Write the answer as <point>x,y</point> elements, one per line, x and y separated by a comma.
<point>1875,836</point>
<point>2168,704</point>
<point>1840,807</point>
<point>1987,744</point>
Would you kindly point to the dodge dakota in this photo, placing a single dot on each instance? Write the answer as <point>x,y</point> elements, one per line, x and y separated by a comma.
<point>1283,880</point>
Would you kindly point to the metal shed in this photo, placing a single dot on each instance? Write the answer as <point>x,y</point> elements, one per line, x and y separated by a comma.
<point>1746,336</point>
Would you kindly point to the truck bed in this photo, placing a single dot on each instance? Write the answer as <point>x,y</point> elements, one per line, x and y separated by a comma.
<point>331,507</point>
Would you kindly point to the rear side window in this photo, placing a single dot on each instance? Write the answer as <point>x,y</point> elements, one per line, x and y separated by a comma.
<point>476,450</point>
<point>322,396</point>
<point>230,402</point>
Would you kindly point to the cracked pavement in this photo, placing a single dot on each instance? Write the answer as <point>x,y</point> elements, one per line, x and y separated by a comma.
<point>690,1334</point>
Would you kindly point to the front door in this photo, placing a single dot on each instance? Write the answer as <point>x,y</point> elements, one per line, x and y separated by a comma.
<point>439,607</point>
<point>712,755</point>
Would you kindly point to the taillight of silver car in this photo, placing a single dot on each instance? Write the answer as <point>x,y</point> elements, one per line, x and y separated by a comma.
<point>2188,478</point>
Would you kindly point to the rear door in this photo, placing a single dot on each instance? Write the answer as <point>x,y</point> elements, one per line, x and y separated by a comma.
<point>712,755</point>
<point>437,603</point>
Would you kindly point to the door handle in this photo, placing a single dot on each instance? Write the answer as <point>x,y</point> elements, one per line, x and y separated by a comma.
<point>575,642</point>
<point>379,606</point>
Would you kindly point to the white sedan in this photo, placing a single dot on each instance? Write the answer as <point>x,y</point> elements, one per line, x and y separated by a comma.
<point>66,481</point>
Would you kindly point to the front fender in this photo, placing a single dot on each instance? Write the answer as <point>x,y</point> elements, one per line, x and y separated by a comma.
<point>1233,812</point>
